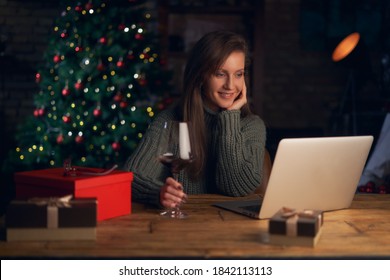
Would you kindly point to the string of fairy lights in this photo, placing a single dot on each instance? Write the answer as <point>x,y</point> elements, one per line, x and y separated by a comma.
<point>82,93</point>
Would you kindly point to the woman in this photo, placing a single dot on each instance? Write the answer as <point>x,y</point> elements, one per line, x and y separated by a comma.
<point>230,139</point>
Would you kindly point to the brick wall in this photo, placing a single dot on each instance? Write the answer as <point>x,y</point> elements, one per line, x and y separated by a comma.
<point>303,88</point>
<point>300,87</point>
<point>24,30</point>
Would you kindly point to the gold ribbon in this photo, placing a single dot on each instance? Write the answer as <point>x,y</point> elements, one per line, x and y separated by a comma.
<point>292,217</point>
<point>52,203</point>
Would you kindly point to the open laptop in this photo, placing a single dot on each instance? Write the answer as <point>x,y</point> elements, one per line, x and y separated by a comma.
<point>319,173</point>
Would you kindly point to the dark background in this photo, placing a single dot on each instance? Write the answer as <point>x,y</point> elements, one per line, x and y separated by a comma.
<point>297,88</point>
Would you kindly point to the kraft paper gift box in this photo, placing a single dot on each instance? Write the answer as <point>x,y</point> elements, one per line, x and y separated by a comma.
<point>296,228</point>
<point>112,191</point>
<point>51,219</point>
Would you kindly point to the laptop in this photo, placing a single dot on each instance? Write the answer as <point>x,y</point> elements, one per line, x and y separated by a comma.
<point>320,173</point>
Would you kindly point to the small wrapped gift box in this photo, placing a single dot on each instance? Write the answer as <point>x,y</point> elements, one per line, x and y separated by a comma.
<point>291,227</point>
<point>112,190</point>
<point>51,219</point>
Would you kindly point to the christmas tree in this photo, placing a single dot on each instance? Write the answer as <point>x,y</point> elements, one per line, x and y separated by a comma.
<point>102,82</point>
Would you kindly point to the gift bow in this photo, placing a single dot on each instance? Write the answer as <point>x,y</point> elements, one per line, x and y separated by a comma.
<point>52,203</point>
<point>289,213</point>
<point>292,217</point>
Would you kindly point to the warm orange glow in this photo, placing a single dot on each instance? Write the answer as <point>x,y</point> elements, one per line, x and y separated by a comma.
<point>345,47</point>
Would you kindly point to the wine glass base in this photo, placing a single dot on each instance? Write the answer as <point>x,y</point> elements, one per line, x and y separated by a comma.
<point>174,214</point>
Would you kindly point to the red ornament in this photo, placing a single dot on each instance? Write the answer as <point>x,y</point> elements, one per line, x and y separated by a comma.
<point>38,77</point>
<point>101,66</point>
<point>116,146</point>
<point>88,6</point>
<point>41,112</point>
<point>97,112</point>
<point>36,113</point>
<point>78,49</point>
<point>138,36</point>
<point>123,104</point>
<point>79,85</point>
<point>65,91</point>
<point>66,119</point>
<point>57,58</point>
<point>118,97</point>
<point>142,82</point>
<point>79,139</point>
<point>78,8</point>
<point>121,26</point>
<point>103,40</point>
<point>60,139</point>
<point>64,34</point>
<point>120,63</point>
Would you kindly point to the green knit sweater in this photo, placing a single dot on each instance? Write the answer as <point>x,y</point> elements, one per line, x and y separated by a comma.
<point>235,153</point>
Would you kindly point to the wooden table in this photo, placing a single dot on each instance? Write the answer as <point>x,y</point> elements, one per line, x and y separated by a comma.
<point>362,231</point>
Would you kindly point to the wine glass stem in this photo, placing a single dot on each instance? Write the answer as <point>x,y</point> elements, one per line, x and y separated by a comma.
<point>177,207</point>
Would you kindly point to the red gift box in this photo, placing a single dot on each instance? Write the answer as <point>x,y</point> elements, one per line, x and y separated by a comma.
<point>112,191</point>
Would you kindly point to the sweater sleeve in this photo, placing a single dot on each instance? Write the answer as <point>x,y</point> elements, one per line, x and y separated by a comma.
<point>240,154</point>
<point>149,173</point>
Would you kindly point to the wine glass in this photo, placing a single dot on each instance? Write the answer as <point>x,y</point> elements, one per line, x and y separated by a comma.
<point>174,151</point>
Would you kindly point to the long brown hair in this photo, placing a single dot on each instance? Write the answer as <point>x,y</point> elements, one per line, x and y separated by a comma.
<point>205,58</point>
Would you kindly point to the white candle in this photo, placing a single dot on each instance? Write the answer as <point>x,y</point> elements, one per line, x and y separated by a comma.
<point>184,141</point>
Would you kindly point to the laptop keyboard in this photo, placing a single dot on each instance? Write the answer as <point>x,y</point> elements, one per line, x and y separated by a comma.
<point>252,208</point>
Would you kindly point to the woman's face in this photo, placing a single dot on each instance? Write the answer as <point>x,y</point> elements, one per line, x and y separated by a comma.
<point>223,86</point>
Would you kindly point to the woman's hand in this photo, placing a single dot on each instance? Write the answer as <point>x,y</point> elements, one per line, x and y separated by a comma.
<point>240,100</point>
<point>171,194</point>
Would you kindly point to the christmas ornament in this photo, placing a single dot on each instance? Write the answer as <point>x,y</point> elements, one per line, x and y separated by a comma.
<point>65,91</point>
<point>120,63</point>
<point>66,119</point>
<point>64,34</point>
<point>60,139</point>
<point>57,58</point>
<point>78,85</point>
<point>97,112</point>
<point>79,139</point>
<point>116,146</point>
<point>138,36</point>
<point>36,113</point>
<point>118,97</point>
<point>41,112</point>
<point>103,40</point>
<point>130,55</point>
<point>78,8</point>
<point>123,104</point>
<point>88,6</point>
<point>37,77</point>
<point>101,66</point>
<point>142,82</point>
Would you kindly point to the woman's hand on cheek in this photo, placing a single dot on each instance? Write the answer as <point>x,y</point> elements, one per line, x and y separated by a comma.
<point>240,100</point>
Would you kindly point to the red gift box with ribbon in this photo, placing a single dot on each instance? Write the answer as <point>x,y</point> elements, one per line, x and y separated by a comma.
<point>53,218</point>
<point>111,188</point>
<point>292,227</point>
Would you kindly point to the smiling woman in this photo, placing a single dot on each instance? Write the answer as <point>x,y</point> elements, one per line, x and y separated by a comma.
<point>228,139</point>
<point>226,88</point>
